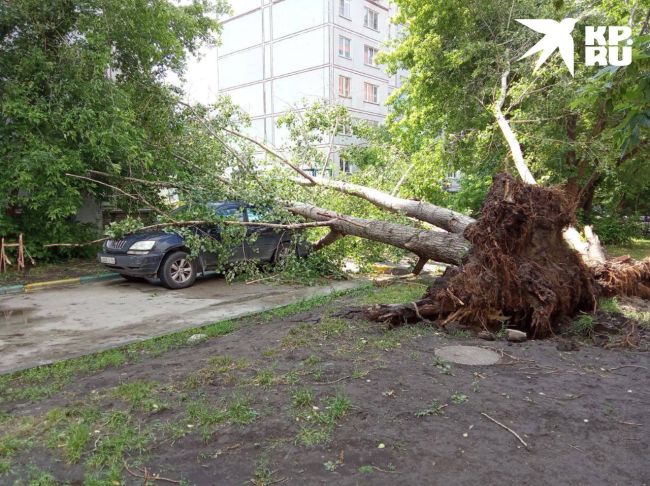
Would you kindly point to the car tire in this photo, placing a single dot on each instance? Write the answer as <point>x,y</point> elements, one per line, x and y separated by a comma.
<point>178,271</point>
<point>131,278</point>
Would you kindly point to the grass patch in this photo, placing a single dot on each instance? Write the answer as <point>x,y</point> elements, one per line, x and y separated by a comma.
<point>319,423</point>
<point>459,398</point>
<point>139,394</point>
<point>311,436</point>
<point>583,326</point>
<point>609,305</point>
<point>612,305</point>
<point>638,249</point>
<point>396,293</point>
<point>76,440</point>
<point>237,411</point>
<point>303,397</point>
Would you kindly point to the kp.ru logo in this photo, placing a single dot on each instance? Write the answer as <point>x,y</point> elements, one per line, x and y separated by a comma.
<point>602,44</point>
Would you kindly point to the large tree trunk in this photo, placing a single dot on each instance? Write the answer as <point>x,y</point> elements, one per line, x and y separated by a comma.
<point>444,218</point>
<point>431,245</point>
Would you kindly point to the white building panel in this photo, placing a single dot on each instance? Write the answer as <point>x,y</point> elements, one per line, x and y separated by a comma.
<point>288,92</point>
<point>290,16</point>
<point>242,32</point>
<point>241,68</point>
<point>300,52</point>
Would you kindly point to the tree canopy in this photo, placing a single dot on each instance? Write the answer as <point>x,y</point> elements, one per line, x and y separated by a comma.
<point>83,87</point>
<point>589,132</point>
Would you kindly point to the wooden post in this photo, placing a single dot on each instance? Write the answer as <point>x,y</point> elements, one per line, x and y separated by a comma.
<point>20,259</point>
<point>21,252</point>
<point>3,257</point>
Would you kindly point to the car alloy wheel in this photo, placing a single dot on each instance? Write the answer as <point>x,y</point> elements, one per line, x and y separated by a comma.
<point>177,271</point>
<point>181,270</point>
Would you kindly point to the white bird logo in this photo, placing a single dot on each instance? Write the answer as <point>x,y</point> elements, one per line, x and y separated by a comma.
<point>557,36</point>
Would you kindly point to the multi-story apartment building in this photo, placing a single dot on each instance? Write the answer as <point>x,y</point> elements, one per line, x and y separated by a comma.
<point>275,53</point>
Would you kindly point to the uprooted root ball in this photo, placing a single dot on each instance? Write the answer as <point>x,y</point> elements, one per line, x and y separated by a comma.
<point>520,271</point>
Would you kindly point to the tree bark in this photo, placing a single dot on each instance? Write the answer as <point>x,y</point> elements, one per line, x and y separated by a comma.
<point>432,245</point>
<point>444,218</point>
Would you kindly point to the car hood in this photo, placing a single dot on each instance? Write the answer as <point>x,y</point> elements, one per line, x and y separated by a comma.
<point>124,243</point>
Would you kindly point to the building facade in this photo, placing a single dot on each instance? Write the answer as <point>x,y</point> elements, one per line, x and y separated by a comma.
<point>277,53</point>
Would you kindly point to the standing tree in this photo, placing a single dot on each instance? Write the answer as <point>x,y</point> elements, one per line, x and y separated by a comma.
<point>83,87</point>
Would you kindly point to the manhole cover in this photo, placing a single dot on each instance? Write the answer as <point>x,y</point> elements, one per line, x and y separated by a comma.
<point>468,355</point>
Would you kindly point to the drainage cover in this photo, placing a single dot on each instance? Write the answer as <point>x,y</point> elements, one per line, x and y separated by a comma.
<point>468,355</point>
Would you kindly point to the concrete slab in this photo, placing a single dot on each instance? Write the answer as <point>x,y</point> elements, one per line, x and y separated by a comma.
<point>52,325</point>
<point>468,355</point>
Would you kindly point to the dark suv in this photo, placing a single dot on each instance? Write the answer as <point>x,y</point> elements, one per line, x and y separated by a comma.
<point>164,254</point>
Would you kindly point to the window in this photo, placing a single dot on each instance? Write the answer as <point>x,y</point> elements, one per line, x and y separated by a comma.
<point>344,8</point>
<point>345,47</point>
<point>371,92</point>
<point>371,19</point>
<point>255,214</point>
<point>344,165</point>
<point>344,86</point>
<point>369,55</point>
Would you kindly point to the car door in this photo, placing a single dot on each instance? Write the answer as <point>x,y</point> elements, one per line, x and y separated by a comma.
<point>232,212</point>
<point>261,242</point>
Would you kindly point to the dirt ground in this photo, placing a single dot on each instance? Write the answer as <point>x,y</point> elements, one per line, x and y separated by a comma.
<point>316,399</point>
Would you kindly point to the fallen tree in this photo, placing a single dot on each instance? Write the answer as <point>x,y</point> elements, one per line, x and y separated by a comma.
<point>523,270</point>
<point>521,264</point>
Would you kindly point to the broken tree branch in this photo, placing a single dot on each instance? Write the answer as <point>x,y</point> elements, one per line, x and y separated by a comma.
<point>180,224</point>
<point>507,428</point>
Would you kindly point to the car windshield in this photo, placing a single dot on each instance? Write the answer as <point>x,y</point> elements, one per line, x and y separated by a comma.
<point>226,210</point>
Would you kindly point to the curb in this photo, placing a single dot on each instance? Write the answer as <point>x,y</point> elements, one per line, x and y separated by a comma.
<point>32,287</point>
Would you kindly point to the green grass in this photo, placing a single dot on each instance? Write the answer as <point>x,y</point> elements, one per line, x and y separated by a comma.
<point>583,326</point>
<point>459,398</point>
<point>311,436</point>
<point>303,397</point>
<point>436,408</point>
<point>77,438</point>
<point>613,305</point>
<point>237,411</point>
<point>396,293</point>
<point>263,474</point>
<point>318,422</point>
<point>638,249</point>
<point>139,394</point>
<point>609,305</point>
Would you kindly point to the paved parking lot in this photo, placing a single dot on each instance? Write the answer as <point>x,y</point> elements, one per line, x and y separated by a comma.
<point>50,325</point>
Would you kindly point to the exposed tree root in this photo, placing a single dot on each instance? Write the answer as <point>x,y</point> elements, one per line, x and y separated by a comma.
<point>624,276</point>
<point>520,271</point>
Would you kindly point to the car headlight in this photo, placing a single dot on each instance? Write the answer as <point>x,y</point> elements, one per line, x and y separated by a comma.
<point>141,247</point>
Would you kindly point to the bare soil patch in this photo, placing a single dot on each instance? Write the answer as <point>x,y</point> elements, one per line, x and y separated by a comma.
<point>316,399</point>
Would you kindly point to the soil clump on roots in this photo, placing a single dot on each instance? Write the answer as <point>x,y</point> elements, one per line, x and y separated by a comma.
<point>520,272</point>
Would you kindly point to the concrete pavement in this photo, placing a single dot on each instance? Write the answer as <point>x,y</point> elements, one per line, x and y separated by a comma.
<point>51,325</point>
